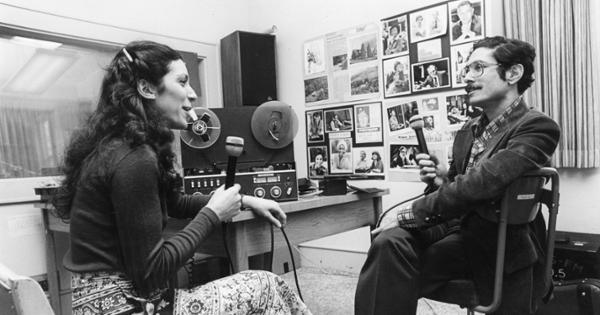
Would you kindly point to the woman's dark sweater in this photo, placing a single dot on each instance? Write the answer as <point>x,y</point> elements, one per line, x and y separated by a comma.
<point>118,215</point>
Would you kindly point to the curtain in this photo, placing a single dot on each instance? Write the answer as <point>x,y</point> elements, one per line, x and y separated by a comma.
<point>568,80</point>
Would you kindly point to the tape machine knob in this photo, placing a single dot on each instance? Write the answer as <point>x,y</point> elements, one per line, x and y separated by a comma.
<point>275,192</point>
<point>259,192</point>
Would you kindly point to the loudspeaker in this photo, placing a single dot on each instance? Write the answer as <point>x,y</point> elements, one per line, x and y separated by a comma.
<point>248,69</point>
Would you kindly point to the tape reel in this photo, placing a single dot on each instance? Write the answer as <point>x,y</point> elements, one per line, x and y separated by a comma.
<point>204,132</point>
<point>274,124</point>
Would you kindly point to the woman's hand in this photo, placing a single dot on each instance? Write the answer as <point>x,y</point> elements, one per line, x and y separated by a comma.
<point>226,203</point>
<point>267,209</point>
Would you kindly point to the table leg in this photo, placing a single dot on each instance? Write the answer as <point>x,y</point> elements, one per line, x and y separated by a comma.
<point>237,242</point>
<point>52,272</point>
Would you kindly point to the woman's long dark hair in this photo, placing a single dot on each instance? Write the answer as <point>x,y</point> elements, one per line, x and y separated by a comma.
<point>122,113</point>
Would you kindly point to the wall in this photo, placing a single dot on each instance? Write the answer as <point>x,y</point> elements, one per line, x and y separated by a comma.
<point>299,21</point>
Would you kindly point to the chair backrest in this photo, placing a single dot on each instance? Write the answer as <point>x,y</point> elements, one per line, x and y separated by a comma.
<point>28,298</point>
<point>524,196</point>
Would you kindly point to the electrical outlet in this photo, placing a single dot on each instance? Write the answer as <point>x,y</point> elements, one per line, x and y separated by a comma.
<point>27,224</point>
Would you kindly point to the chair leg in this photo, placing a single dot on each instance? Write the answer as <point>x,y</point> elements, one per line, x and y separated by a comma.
<point>470,312</point>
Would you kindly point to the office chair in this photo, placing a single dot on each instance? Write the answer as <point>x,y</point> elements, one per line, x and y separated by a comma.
<point>520,204</point>
<point>28,298</point>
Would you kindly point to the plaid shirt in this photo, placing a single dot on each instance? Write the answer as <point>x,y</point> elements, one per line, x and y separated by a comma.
<point>483,130</point>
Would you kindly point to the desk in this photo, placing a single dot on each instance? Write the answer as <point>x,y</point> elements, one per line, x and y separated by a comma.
<point>308,219</point>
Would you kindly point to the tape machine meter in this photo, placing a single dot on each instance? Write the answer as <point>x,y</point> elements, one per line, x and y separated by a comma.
<point>279,185</point>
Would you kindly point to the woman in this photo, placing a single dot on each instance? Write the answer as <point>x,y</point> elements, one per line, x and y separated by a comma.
<point>377,164</point>
<point>119,186</point>
<point>316,127</point>
<point>318,167</point>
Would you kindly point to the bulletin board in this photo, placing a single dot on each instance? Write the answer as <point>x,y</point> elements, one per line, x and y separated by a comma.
<point>420,56</point>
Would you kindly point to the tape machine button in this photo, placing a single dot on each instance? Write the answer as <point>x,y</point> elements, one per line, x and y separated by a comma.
<point>275,192</point>
<point>259,192</point>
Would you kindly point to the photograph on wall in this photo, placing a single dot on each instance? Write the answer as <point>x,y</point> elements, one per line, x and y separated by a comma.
<point>368,161</point>
<point>429,50</point>
<point>317,162</point>
<point>316,90</point>
<point>430,75</point>
<point>394,36</point>
<point>363,48</point>
<point>340,158</point>
<point>428,23</point>
<point>314,56</point>
<point>396,76</point>
<point>314,126</point>
<point>339,119</point>
<point>430,104</point>
<point>403,156</point>
<point>399,115</point>
<point>340,62</point>
<point>364,80</point>
<point>466,20</point>
<point>430,122</point>
<point>369,128</point>
<point>459,55</point>
<point>457,108</point>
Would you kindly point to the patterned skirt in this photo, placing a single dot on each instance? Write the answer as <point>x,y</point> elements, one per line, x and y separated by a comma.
<point>247,292</point>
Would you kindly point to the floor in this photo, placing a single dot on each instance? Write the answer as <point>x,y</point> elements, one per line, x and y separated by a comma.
<point>331,292</point>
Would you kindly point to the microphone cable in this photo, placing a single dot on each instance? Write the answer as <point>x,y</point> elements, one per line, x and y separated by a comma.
<point>396,205</point>
<point>287,241</point>
<point>224,236</point>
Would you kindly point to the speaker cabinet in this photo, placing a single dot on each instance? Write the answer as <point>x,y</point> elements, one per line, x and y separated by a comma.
<point>248,69</point>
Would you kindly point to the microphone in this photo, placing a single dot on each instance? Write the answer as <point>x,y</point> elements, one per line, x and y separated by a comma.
<point>417,124</point>
<point>192,114</point>
<point>234,147</point>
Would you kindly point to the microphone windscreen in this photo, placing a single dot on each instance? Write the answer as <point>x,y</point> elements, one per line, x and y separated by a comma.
<point>416,122</point>
<point>192,114</point>
<point>234,146</point>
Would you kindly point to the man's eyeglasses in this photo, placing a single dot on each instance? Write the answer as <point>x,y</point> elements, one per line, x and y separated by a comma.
<point>476,68</point>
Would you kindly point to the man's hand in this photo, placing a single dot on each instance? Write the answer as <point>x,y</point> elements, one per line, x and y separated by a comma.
<point>431,170</point>
<point>390,220</point>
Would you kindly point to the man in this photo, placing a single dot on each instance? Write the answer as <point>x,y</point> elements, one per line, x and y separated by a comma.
<point>362,166</point>
<point>445,235</point>
<point>434,78</point>
<point>469,24</point>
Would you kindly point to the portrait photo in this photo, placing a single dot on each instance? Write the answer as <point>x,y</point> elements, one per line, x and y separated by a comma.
<point>466,20</point>
<point>339,120</point>
<point>316,90</point>
<point>456,108</point>
<point>399,115</point>
<point>368,161</point>
<point>369,128</point>
<point>317,162</point>
<point>314,56</point>
<point>428,23</point>
<point>459,55</point>
<point>341,160</point>
<point>429,122</point>
<point>396,74</point>
<point>314,126</point>
<point>394,36</point>
<point>364,80</point>
<point>430,75</point>
<point>363,48</point>
<point>403,156</point>
<point>430,104</point>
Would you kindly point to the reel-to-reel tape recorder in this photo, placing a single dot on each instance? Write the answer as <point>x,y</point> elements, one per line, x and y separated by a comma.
<point>266,167</point>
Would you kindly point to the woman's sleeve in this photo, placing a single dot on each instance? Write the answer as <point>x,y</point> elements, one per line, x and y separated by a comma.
<point>148,258</point>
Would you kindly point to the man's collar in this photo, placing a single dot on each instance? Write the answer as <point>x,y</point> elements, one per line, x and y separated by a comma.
<point>480,124</point>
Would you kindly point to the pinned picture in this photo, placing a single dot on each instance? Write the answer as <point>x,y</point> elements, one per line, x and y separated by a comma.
<point>458,110</point>
<point>430,104</point>
<point>364,80</point>
<point>428,23</point>
<point>459,55</point>
<point>317,162</point>
<point>403,156</point>
<point>314,126</point>
<point>341,155</point>
<point>429,50</point>
<point>394,36</point>
<point>363,48</point>
<point>314,56</point>
<point>340,62</point>
<point>339,120</point>
<point>316,90</point>
<point>368,161</point>
<point>399,115</point>
<point>368,123</point>
<point>466,20</point>
<point>430,75</point>
<point>396,73</point>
